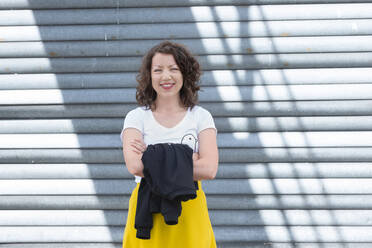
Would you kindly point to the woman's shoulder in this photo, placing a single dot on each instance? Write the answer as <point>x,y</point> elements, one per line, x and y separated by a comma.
<point>137,113</point>
<point>200,111</point>
<point>139,110</point>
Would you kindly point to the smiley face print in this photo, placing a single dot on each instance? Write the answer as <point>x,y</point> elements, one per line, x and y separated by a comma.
<point>190,140</point>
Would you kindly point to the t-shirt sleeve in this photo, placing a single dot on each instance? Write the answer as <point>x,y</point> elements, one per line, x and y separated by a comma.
<point>205,120</point>
<point>134,119</point>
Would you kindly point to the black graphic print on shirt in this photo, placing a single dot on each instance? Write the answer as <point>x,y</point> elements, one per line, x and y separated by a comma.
<point>190,140</point>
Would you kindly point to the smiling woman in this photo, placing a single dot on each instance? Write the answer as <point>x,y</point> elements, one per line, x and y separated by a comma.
<point>167,94</point>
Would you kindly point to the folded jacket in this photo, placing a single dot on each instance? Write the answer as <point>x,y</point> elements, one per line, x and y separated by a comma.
<point>168,180</point>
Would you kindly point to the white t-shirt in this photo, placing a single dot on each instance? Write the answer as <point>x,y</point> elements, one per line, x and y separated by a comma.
<point>185,132</point>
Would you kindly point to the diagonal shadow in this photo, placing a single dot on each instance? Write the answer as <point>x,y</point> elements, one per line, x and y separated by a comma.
<point>86,113</point>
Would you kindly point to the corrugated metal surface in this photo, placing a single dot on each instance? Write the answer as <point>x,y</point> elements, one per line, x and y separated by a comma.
<point>288,82</point>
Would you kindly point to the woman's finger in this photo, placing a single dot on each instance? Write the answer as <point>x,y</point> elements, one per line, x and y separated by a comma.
<point>134,145</point>
<point>138,147</point>
<point>195,156</point>
<point>141,144</point>
<point>136,151</point>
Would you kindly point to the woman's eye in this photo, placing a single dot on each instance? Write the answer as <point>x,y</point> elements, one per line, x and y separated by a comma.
<point>157,70</point>
<point>175,69</point>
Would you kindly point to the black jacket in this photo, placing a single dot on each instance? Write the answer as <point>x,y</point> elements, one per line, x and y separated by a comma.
<point>168,180</point>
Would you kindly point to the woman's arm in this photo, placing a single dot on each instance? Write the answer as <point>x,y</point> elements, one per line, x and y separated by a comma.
<point>206,162</point>
<point>132,146</point>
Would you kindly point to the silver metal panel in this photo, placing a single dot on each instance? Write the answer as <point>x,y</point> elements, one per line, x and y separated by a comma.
<point>218,186</point>
<point>209,94</point>
<point>185,14</point>
<point>63,245</point>
<point>215,202</point>
<point>300,201</point>
<point>63,171</point>
<point>223,124</point>
<point>227,155</point>
<point>187,30</point>
<point>218,217</point>
<point>221,109</point>
<point>225,140</point>
<point>306,76</point>
<point>220,245</point>
<point>64,202</point>
<point>56,4</point>
<point>288,83</point>
<point>210,62</point>
<point>225,170</point>
<point>223,234</point>
<point>225,46</point>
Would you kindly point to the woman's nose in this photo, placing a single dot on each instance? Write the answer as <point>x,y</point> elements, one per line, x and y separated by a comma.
<point>166,75</point>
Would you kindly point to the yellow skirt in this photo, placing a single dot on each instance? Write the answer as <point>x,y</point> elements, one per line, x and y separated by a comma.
<point>194,228</point>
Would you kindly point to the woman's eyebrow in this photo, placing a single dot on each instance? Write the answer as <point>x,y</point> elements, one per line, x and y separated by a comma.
<point>162,66</point>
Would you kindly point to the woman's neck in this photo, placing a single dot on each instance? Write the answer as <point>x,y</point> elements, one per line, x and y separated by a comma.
<point>168,105</point>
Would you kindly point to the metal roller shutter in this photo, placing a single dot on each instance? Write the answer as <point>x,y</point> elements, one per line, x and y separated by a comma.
<point>289,85</point>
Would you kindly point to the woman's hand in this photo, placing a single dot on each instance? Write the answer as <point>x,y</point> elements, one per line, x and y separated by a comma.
<point>195,156</point>
<point>138,146</point>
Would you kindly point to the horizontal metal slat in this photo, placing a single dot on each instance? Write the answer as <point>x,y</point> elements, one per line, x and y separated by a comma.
<point>224,140</point>
<point>219,109</point>
<point>64,202</point>
<point>210,62</point>
<point>81,125</point>
<point>236,234</point>
<point>218,217</point>
<point>67,171</point>
<point>63,245</point>
<point>294,234</point>
<point>288,186</point>
<point>218,186</point>
<point>295,170</point>
<point>314,123</point>
<point>220,245</point>
<point>188,30</point>
<point>209,78</point>
<point>223,124</point>
<point>226,202</point>
<point>341,244</point>
<point>226,155</point>
<point>308,201</point>
<point>290,108</point>
<point>61,234</point>
<point>208,94</point>
<point>225,46</point>
<point>58,4</point>
<point>74,80</point>
<point>185,14</point>
<point>313,154</point>
<point>291,217</point>
<point>66,187</point>
<point>226,171</point>
<point>62,217</point>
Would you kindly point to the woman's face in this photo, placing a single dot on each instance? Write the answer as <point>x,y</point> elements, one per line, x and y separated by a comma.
<point>166,76</point>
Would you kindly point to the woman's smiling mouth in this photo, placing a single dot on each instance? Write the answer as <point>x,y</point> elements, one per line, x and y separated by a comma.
<point>167,86</point>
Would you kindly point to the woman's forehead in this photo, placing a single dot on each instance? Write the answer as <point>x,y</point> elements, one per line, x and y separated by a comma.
<point>162,59</point>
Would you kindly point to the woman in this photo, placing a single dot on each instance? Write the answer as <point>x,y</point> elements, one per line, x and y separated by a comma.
<point>167,94</point>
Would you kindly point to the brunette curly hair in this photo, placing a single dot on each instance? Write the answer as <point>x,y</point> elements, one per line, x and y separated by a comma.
<point>188,65</point>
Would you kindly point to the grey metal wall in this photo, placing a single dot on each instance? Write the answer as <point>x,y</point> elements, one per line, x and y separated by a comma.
<point>288,82</point>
